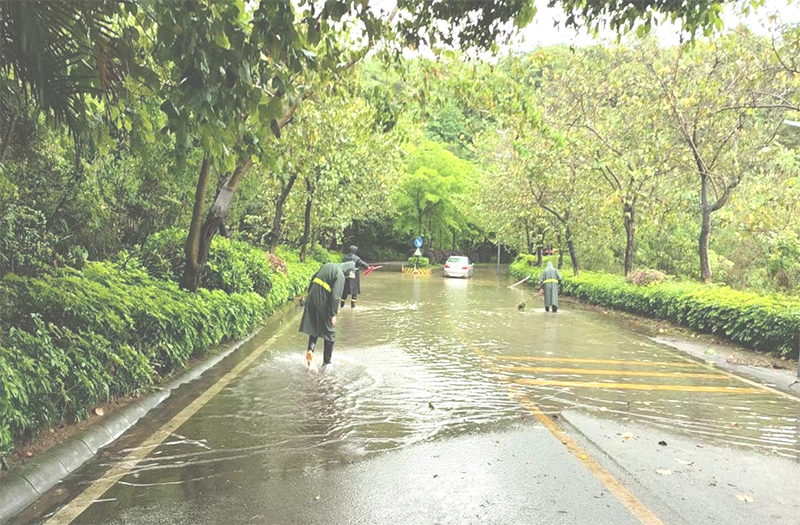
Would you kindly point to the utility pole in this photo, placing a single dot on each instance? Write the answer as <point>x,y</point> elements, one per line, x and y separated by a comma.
<point>498,257</point>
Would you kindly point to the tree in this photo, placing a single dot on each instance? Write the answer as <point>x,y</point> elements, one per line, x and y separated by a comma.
<point>613,106</point>
<point>60,54</point>
<point>717,93</point>
<point>429,193</point>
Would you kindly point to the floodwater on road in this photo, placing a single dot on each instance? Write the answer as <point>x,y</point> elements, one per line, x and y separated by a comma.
<point>420,361</point>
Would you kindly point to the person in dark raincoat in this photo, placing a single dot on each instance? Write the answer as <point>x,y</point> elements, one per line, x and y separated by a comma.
<point>352,284</point>
<point>321,307</point>
<point>549,281</point>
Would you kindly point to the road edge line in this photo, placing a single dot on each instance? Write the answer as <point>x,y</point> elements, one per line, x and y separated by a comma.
<point>77,505</point>
<point>71,454</point>
<point>612,484</point>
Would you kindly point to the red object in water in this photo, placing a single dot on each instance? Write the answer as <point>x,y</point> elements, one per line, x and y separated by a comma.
<point>371,269</point>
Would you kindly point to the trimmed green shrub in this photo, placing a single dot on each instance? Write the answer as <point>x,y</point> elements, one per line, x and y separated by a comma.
<point>763,322</point>
<point>232,266</point>
<point>419,262</point>
<point>75,339</point>
<point>288,255</point>
<point>323,256</point>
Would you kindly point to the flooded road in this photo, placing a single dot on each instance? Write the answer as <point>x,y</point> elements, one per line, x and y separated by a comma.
<point>430,414</point>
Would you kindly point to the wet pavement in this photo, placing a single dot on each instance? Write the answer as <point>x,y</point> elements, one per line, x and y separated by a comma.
<point>429,415</point>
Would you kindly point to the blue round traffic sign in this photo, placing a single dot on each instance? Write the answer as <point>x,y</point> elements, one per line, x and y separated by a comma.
<point>418,242</point>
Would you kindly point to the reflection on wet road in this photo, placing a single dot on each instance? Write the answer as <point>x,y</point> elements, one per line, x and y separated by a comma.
<point>420,361</point>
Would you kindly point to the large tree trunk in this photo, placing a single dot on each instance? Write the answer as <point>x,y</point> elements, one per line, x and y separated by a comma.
<point>307,223</point>
<point>705,229</point>
<point>198,243</point>
<point>192,269</point>
<point>705,233</point>
<point>629,219</point>
<point>275,235</point>
<point>573,255</point>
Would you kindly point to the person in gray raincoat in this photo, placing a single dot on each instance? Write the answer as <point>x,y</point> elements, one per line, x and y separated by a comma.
<point>549,281</point>
<point>352,284</point>
<point>321,307</point>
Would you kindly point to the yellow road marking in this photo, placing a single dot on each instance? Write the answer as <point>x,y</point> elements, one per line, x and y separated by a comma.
<point>744,380</point>
<point>612,484</point>
<point>620,491</point>
<point>593,361</point>
<point>606,372</point>
<point>632,386</point>
<point>95,491</point>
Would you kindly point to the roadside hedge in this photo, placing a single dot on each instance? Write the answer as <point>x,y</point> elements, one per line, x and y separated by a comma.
<point>763,322</point>
<point>79,338</point>
<point>419,262</point>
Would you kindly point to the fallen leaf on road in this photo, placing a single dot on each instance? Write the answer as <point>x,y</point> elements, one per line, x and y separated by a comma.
<point>627,435</point>
<point>735,425</point>
<point>662,443</point>
<point>684,462</point>
<point>99,411</point>
<point>663,471</point>
<point>430,405</point>
<point>584,456</point>
<point>710,351</point>
<point>745,498</point>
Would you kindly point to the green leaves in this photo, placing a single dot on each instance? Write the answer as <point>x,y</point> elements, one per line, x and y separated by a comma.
<point>85,337</point>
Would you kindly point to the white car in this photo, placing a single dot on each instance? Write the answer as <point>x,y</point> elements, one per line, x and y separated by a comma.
<point>458,267</point>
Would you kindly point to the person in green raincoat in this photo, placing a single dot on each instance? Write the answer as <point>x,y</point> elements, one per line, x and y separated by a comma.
<point>321,307</point>
<point>549,281</point>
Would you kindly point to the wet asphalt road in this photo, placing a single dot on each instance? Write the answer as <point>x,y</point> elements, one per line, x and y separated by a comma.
<point>429,416</point>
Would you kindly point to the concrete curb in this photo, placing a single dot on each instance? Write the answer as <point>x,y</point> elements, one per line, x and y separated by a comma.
<point>24,485</point>
<point>784,380</point>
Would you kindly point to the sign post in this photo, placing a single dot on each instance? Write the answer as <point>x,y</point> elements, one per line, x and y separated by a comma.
<point>418,242</point>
